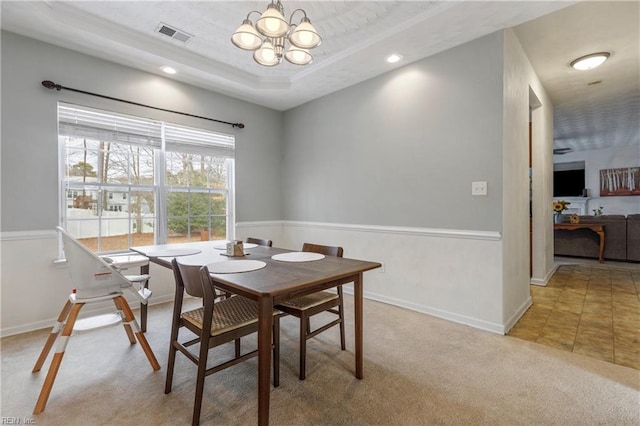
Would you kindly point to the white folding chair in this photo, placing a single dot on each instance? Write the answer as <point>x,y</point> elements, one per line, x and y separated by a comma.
<point>95,281</point>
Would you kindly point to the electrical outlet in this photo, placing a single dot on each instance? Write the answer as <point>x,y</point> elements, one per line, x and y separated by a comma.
<point>479,188</point>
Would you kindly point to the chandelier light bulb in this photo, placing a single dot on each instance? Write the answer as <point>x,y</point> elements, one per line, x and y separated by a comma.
<point>305,36</point>
<point>266,55</point>
<point>246,37</point>
<point>298,56</point>
<point>272,23</point>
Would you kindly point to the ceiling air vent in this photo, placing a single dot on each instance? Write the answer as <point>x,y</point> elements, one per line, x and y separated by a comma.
<point>173,32</point>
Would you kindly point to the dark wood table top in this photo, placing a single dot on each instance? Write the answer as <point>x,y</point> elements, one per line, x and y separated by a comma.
<point>280,280</point>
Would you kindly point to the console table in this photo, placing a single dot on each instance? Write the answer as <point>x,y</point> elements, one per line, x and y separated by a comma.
<point>598,229</point>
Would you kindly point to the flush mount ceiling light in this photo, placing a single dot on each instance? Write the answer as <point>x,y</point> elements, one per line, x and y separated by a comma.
<point>268,37</point>
<point>591,61</point>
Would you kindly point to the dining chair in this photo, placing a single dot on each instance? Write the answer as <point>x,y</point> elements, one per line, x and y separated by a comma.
<point>305,307</point>
<point>214,324</point>
<point>94,281</point>
<point>259,241</point>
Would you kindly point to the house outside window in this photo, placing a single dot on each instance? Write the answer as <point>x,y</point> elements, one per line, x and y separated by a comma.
<point>134,181</point>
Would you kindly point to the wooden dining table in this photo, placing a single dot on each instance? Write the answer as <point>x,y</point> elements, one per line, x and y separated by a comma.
<point>276,282</point>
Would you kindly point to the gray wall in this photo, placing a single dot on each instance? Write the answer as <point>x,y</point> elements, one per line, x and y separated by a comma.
<point>402,149</point>
<point>29,162</point>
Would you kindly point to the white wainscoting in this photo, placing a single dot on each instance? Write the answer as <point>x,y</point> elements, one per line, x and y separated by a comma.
<point>451,274</point>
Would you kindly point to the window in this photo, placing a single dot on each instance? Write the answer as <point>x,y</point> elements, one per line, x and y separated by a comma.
<point>134,181</point>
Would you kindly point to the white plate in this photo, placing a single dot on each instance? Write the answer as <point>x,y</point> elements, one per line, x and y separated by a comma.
<point>173,252</point>
<point>235,266</point>
<point>298,256</point>
<point>223,245</point>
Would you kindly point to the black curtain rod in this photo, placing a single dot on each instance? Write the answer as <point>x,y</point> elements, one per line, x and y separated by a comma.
<point>51,85</point>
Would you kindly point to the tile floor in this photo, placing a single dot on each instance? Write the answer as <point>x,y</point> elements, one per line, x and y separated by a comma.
<point>592,310</point>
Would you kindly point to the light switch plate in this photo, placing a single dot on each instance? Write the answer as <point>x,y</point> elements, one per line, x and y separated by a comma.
<point>479,188</point>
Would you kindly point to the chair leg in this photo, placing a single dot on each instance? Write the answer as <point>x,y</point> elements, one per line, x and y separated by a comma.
<point>175,329</point>
<point>276,351</point>
<point>53,336</point>
<point>131,320</point>
<point>170,366</point>
<point>144,270</point>
<point>127,327</point>
<point>57,358</point>
<point>202,372</point>
<point>303,346</point>
<point>237,343</point>
<point>343,345</point>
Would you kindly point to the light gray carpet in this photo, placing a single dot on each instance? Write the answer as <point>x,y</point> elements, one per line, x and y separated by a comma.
<point>419,370</point>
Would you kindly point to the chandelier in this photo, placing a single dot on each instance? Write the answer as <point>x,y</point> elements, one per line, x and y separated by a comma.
<point>268,37</point>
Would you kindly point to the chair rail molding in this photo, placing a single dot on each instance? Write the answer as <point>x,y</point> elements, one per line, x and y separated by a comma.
<point>398,230</point>
<point>28,235</point>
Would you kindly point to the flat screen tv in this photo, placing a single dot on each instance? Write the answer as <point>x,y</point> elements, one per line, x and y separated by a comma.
<point>568,183</point>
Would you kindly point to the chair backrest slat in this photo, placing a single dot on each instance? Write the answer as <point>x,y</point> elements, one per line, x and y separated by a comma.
<point>188,276</point>
<point>326,250</point>
<point>194,280</point>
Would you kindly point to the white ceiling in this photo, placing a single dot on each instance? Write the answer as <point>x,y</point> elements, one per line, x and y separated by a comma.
<point>357,36</point>
<point>589,116</point>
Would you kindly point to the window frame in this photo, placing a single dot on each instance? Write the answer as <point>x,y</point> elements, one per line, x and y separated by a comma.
<point>225,151</point>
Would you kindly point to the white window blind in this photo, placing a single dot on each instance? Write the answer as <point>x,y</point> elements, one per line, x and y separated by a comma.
<point>86,122</point>
<point>195,141</point>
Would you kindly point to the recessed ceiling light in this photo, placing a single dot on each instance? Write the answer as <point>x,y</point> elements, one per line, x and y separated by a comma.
<point>168,69</point>
<point>393,58</point>
<point>591,61</point>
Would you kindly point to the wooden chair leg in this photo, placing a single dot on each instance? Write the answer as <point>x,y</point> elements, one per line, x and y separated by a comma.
<point>55,331</point>
<point>237,343</point>
<point>202,373</point>
<point>170,366</point>
<point>303,346</point>
<point>343,345</point>
<point>176,324</point>
<point>127,327</point>
<point>175,329</point>
<point>57,358</point>
<point>131,320</point>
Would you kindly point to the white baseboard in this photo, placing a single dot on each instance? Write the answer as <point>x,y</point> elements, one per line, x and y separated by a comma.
<point>518,314</point>
<point>545,280</point>
<point>449,316</point>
